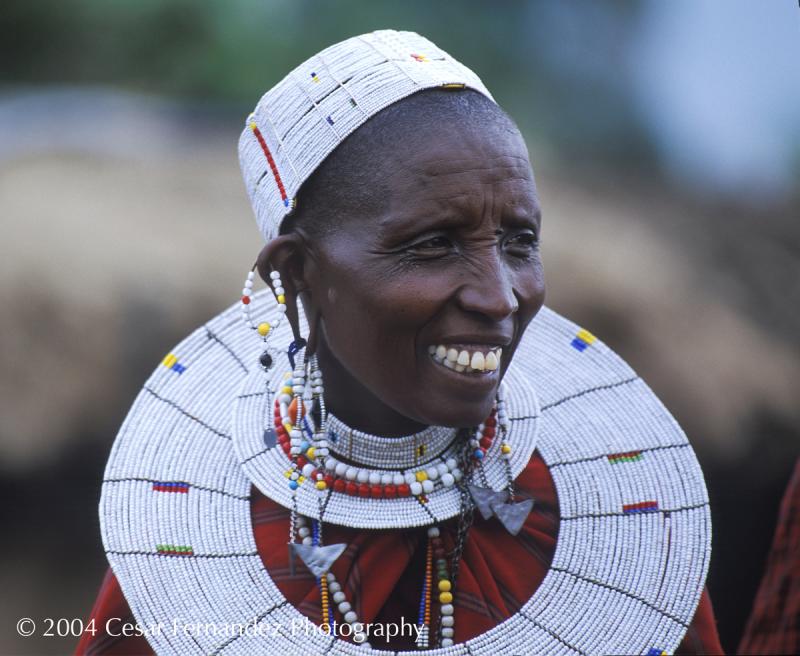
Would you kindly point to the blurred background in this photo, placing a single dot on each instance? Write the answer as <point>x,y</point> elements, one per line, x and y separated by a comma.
<point>665,138</point>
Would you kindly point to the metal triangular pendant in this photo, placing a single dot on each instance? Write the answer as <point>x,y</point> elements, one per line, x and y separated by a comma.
<point>513,515</point>
<point>318,559</point>
<point>485,498</point>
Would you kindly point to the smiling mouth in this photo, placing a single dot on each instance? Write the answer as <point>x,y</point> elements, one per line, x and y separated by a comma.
<point>467,358</point>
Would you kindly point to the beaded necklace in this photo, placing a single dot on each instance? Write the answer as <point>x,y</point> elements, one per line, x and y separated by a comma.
<point>381,468</point>
<point>634,538</point>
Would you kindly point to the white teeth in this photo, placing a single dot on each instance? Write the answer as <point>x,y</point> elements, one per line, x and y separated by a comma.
<point>479,360</point>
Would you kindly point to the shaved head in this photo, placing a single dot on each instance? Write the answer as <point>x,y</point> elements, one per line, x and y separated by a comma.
<point>351,180</point>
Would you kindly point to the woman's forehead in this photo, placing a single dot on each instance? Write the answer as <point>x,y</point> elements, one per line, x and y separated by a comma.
<point>455,163</point>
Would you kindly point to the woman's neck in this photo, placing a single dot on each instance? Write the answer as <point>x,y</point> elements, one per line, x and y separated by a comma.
<point>356,405</point>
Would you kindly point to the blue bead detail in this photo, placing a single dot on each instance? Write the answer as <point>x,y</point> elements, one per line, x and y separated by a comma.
<point>297,344</point>
<point>293,485</point>
<point>478,454</point>
<point>178,368</point>
<point>329,119</point>
<point>579,344</point>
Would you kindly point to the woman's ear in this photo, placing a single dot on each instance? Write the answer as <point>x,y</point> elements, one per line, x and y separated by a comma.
<point>286,254</point>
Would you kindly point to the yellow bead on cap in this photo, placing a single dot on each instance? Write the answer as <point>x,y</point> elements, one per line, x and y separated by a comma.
<point>505,448</point>
<point>263,329</point>
<point>321,485</point>
<point>311,452</point>
<point>444,585</point>
<point>422,476</point>
<point>281,298</point>
<point>445,598</point>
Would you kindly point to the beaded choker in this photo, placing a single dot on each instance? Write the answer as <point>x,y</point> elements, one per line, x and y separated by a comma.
<point>388,452</point>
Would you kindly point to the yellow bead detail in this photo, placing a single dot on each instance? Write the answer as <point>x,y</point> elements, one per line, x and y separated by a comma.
<point>263,329</point>
<point>505,448</point>
<point>311,452</point>
<point>585,336</point>
<point>253,126</point>
<point>288,426</point>
<point>301,480</point>
<point>422,475</point>
<point>281,298</point>
<point>286,390</point>
<point>169,360</point>
<point>444,585</point>
<point>287,473</point>
<point>321,485</point>
<point>445,598</point>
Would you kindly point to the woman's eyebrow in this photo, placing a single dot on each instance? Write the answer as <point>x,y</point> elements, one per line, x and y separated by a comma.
<point>398,227</point>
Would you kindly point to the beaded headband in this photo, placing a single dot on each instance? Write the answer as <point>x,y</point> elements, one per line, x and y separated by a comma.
<point>298,122</point>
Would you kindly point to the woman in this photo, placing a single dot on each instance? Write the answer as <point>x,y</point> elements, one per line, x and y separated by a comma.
<point>409,425</point>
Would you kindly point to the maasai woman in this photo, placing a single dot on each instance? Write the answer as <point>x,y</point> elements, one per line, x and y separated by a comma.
<point>454,466</point>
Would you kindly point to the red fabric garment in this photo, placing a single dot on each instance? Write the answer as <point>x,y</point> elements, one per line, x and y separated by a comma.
<point>774,625</point>
<point>382,571</point>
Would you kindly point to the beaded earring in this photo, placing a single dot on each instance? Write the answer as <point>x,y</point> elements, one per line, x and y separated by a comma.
<point>263,328</point>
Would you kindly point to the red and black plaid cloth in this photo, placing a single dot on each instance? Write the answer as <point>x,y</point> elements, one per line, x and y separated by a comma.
<point>382,572</point>
<point>774,625</point>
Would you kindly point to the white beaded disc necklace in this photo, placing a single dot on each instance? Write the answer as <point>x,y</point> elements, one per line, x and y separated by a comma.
<point>634,539</point>
<point>266,465</point>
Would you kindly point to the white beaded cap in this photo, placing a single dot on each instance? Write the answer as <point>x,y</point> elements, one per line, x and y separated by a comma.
<point>298,122</point>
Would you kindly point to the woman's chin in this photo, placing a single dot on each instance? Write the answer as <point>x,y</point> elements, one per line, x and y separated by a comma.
<point>457,408</point>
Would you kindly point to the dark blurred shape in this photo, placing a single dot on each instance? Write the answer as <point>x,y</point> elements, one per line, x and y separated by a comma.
<point>774,625</point>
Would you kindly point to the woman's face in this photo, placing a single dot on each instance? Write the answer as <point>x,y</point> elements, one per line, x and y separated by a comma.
<point>451,265</point>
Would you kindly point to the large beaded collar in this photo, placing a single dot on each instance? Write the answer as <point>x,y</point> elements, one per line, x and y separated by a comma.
<point>634,539</point>
<point>266,464</point>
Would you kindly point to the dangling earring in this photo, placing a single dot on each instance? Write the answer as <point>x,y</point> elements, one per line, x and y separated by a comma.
<point>263,328</point>
<point>318,400</point>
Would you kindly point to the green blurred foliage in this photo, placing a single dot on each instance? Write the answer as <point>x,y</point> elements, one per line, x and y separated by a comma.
<point>539,57</point>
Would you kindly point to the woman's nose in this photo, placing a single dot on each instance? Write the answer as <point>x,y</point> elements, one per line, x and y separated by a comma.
<point>489,292</point>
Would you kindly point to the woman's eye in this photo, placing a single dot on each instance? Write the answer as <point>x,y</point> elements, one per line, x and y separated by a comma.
<point>523,240</point>
<point>432,244</point>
